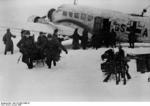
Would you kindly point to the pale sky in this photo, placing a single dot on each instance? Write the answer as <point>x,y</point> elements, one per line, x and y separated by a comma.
<point>41,7</point>
<point>121,5</point>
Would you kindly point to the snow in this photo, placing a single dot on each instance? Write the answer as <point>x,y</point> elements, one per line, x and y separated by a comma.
<point>77,77</point>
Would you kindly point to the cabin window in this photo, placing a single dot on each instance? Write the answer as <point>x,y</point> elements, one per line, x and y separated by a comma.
<point>64,13</point>
<point>83,16</point>
<point>90,18</point>
<point>58,10</point>
<point>76,15</point>
<point>70,14</point>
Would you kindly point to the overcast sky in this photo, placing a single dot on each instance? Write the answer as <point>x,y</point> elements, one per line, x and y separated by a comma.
<point>31,7</point>
<point>122,5</point>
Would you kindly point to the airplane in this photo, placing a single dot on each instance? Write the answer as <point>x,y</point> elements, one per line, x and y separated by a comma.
<point>95,19</point>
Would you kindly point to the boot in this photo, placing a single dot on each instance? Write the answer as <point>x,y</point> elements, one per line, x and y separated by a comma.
<point>54,63</point>
<point>5,53</point>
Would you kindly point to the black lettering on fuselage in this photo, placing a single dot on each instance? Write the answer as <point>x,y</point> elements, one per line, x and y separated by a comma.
<point>129,23</point>
<point>123,28</point>
<point>145,33</point>
<point>117,27</point>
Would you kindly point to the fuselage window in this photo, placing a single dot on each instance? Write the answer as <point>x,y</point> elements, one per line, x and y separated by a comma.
<point>70,14</point>
<point>76,15</point>
<point>58,10</point>
<point>64,13</point>
<point>90,18</point>
<point>83,16</point>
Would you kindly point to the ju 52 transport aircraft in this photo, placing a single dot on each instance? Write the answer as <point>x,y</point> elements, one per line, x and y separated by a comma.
<point>96,19</point>
<point>68,17</point>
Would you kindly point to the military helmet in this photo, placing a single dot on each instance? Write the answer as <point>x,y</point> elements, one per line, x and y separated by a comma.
<point>120,46</point>
<point>49,36</point>
<point>27,32</point>
<point>42,33</point>
<point>56,30</point>
<point>8,30</point>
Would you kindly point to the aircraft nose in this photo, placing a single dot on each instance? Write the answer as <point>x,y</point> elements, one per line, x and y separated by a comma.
<point>50,13</point>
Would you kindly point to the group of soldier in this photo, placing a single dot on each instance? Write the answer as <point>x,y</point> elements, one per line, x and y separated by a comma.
<point>76,39</point>
<point>49,47</point>
<point>104,38</point>
<point>108,38</point>
<point>46,48</point>
<point>116,63</point>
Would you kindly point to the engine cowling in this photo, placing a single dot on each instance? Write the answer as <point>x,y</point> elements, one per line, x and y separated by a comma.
<point>50,13</point>
<point>38,19</point>
<point>33,19</point>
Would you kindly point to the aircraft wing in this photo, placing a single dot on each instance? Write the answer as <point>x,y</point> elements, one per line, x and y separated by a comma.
<point>139,51</point>
<point>66,32</point>
<point>62,29</point>
<point>34,27</point>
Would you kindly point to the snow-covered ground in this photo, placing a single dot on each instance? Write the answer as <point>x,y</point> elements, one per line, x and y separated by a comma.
<point>77,77</point>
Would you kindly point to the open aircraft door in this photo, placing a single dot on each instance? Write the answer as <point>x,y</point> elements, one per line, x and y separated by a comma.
<point>98,25</point>
<point>101,24</point>
<point>106,25</point>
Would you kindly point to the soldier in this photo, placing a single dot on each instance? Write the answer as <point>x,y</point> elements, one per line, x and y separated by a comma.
<point>110,56</point>
<point>22,33</point>
<point>107,38</point>
<point>92,41</point>
<point>9,46</point>
<point>41,42</point>
<point>123,60</point>
<point>76,38</point>
<point>131,38</point>
<point>120,53</point>
<point>121,64</point>
<point>113,38</point>
<point>57,35</point>
<point>52,50</point>
<point>97,40</point>
<point>27,48</point>
<point>84,39</point>
<point>120,56</point>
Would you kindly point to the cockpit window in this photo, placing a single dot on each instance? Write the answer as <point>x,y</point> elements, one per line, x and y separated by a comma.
<point>90,18</point>
<point>70,14</point>
<point>76,15</point>
<point>64,13</point>
<point>83,16</point>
